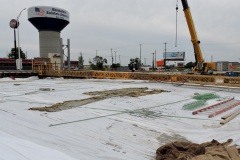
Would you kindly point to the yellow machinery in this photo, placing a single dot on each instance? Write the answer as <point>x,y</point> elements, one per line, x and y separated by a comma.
<point>201,67</point>
<point>45,69</point>
<point>41,65</point>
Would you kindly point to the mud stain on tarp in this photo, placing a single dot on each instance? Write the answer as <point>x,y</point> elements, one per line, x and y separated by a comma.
<point>98,96</point>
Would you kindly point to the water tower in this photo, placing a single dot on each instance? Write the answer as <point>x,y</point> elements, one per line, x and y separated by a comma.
<point>49,21</point>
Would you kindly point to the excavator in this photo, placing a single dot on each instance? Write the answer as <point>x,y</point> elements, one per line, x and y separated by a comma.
<point>202,67</point>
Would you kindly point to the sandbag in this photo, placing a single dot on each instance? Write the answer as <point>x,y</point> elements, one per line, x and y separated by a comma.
<point>191,151</point>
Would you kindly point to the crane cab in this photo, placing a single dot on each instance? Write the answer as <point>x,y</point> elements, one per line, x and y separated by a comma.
<point>205,68</point>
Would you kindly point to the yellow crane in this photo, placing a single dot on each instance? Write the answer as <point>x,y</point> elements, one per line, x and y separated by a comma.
<point>202,67</point>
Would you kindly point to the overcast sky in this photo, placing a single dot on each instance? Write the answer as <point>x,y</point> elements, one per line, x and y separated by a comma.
<point>124,24</point>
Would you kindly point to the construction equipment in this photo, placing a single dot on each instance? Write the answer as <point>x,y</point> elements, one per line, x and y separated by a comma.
<point>201,67</point>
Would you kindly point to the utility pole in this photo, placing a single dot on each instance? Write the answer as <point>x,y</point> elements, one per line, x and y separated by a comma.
<point>119,60</point>
<point>61,54</point>
<point>140,54</point>
<point>165,52</point>
<point>112,56</point>
<point>68,57</point>
<point>155,57</point>
<point>96,53</point>
<point>153,62</point>
<point>115,56</point>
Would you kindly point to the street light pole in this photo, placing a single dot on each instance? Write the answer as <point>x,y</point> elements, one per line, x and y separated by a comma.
<point>119,60</point>
<point>19,66</point>
<point>153,62</point>
<point>15,45</point>
<point>115,56</point>
<point>140,55</point>
<point>112,57</point>
<point>165,52</point>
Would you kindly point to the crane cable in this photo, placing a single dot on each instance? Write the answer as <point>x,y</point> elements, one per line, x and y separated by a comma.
<point>176,23</point>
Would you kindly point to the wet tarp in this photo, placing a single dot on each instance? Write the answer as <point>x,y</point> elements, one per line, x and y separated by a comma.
<point>191,151</point>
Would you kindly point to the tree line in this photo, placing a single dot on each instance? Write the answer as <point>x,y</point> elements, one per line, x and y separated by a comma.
<point>97,63</point>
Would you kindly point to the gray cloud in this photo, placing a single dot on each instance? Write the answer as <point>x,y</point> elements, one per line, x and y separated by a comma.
<point>124,24</point>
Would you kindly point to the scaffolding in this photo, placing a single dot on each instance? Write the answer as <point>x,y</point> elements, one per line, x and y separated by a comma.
<point>46,69</point>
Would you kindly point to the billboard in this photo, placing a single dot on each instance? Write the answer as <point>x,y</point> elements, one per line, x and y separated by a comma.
<point>48,12</point>
<point>160,63</point>
<point>174,56</point>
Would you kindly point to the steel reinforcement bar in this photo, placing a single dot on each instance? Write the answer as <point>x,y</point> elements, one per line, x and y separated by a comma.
<point>224,109</point>
<point>212,106</point>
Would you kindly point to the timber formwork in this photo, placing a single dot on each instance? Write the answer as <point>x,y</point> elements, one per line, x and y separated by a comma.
<point>230,116</point>
<point>48,71</point>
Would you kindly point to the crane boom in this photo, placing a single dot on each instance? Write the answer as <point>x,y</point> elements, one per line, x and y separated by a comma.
<point>202,67</point>
<point>193,33</point>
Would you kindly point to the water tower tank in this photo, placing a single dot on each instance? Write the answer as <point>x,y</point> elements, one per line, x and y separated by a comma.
<point>49,21</point>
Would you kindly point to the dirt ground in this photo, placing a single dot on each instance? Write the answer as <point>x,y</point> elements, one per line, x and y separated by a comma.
<point>98,96</point>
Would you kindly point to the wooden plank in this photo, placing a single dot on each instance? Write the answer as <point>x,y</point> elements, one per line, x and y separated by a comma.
<point>212,106</point>
<point>230,117</point>
<point>224,109</point>
<point>229,114</point>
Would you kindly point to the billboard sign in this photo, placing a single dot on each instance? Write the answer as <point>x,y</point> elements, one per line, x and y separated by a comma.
<point>174,56</point>
<point>160,63</point>
<point>48,12</point>
<point>14,24</point>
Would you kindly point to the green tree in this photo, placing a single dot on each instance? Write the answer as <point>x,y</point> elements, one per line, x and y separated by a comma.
<point>134,64</point>
<point>97,63</point>
<point>137,61</point>
<point>80,61</point>
<point>115,65</point>
<point>12,54</point>
<point>190,65</point>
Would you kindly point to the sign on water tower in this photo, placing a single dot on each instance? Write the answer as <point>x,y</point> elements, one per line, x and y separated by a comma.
<point>46,18</point>
<point>48,12</point>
